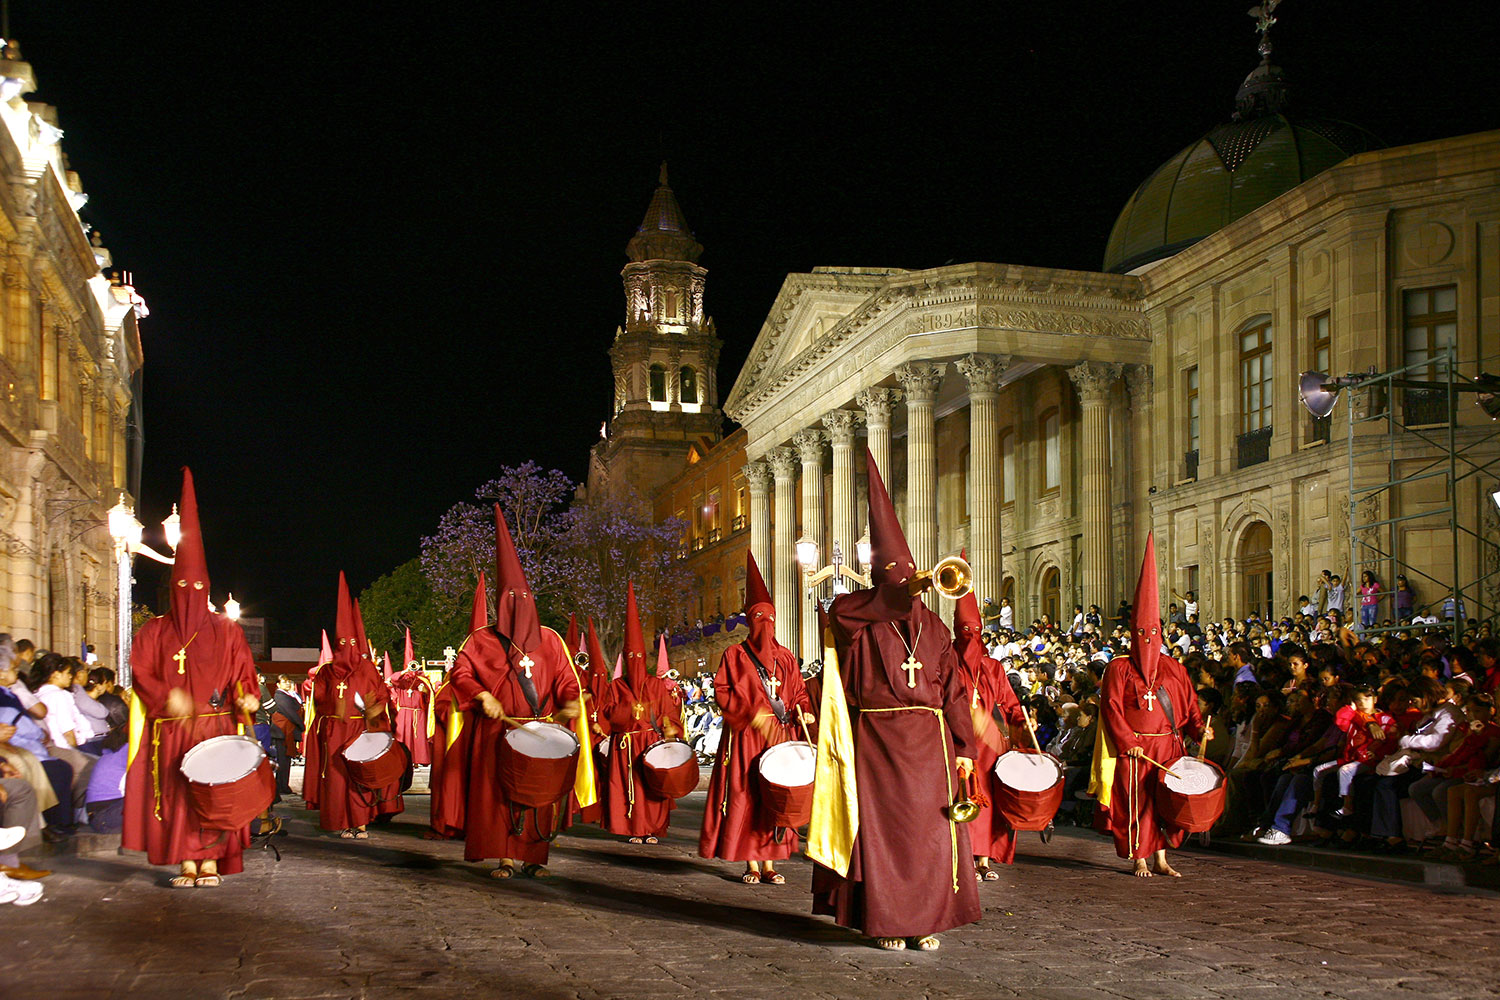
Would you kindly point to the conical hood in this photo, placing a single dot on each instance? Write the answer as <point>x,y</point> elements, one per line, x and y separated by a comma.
<point>346,653</point>
<point>366,650</point>
<point>385,666</point>
<point>190,570</point>
<point>635,644</point>
<point>891,562</point>
<point>408,654</point>
<point>756,591</point>
<point>515,608</point>
<point>572,638</point>
<point>596,652</point>
<point>325,654</point>
<point>663,661</point>
<point>760,613</point>
<point>1145,629</point>
<point>479,614</point>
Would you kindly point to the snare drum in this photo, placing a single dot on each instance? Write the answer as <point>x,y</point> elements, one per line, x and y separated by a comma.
<point>375,760</point>
<point>1028,789</point>
<point>786,782</point>
<point>230,781</point>
<point>669,769</point>
<point>1193,801</point>
<point>538,761</point>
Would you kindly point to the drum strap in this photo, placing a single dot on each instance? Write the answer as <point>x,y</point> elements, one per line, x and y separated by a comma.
<point>528,689</point>
<point>777,705</point>
<point>1166,706</point>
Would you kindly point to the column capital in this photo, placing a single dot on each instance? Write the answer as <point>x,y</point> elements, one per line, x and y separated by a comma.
<point>758,475</point>
<point>983,372</point>
<point>1139,380</point>
<point>1093,379</point>
<point>841,424</point>
<point>920,380</point>
<point>809,444</point>
<point>877,403</point>
<point>783,462</point>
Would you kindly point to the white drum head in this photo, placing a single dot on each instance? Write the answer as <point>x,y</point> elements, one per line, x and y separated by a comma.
<point>668,755</point>
<point>543,740</point>
<point>789,764</point>
<point>220,760</point>
<point>369,746</point>
<point>1027,772</point>
<point>1194,777</point>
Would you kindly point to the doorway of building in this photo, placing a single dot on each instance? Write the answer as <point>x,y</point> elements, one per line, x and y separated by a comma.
<point>1052,594</point>
<point>1255,569</point>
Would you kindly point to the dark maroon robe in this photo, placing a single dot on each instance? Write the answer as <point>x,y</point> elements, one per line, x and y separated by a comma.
<point>911,873</point>
<point>446,778</point>
<point>735,824</point>
<point>990,694</point>
<point>411,697</point>
<point>338,721</point>
<point>630,809</point>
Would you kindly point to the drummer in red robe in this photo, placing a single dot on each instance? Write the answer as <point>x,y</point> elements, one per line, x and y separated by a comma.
<point>411,697</point>
<point>994,709</point>
<point>450,741</point>
<point>348,699</point>
<point>640,709</point>
<point>913,742</point>
<point>1147,704</point>
<point>760,692</point>
<point>511,673</point>
<point>194,679</point>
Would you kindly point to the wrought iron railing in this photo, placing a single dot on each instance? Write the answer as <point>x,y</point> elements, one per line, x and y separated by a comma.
<point>1421,407</point>
<point>1190,464</point>
<point>1254,447</point>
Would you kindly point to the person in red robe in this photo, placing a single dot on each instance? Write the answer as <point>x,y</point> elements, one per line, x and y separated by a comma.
<point>994,709</point>
<point>194,679</point>
<point>348,699</point>
<point>506,675</point>
<point>760,692</point>
<point>597,680</point>
<point>450,741</point>
<point>1147,704</point>
<point>411,697</point>
<point>908,875</point>
<point>639,710</point>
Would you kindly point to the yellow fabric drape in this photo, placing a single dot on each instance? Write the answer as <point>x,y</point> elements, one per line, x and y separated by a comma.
<point>137,727</point>
<point>1102,773</point>
<point>455,720</point>
<point>431,706</point>
<point>585,783</point>
<point>835,806</point>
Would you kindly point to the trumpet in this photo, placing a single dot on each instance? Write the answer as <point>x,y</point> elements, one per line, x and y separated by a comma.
<point>964,809</point>
<point>581,659</point>
<point>952,577</point>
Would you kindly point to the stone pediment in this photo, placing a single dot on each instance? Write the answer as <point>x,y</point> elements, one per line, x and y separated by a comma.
<point>1029,313</point>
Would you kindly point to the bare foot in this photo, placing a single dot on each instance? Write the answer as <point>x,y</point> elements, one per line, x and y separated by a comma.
<point>928,942</point>
<point>1162,868</point>
<point>1140,870</point>
<point>891,944</point>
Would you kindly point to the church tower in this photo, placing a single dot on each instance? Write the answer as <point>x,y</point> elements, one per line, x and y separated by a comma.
<point>665,358</point>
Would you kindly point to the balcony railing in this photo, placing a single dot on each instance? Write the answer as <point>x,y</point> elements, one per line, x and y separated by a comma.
<point>740,523</point>
<point>1424,406</point>
<point>714,535</point>
<point>1254,447</point>
<point>1190,465</point>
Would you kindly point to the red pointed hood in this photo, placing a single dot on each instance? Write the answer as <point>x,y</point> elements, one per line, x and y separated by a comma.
<point>1145,629</point>
<point>891,562</point>
<point>189,585</point>
<point>572,639</point>
<point>596,652</point>
<point>325,654</point>
<point>348,647</point>
<point>760,613</point>
<point>408,654</point>
<point>968,627</point>
<point>479,613</point>
<point>366,649</point>
<point>515,608</point>
<point>385,666</point>
<point>635,645</point>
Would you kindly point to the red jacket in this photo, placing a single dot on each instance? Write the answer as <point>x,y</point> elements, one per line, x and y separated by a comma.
<point>1359,745</point>
<point>1474,753</point>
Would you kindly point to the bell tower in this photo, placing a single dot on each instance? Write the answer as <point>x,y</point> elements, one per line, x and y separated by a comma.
<point>665,358</point>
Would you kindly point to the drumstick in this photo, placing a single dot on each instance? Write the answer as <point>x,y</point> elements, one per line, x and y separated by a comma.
<point>1160,765</point>
<point>1203,747</point>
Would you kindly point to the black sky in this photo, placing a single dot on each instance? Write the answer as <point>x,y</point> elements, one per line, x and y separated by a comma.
<point>381,249</point>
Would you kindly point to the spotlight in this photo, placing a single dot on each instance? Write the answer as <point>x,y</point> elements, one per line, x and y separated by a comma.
<point>1318,394</point>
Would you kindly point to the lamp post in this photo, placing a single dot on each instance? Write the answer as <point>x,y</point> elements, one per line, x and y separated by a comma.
<point>232,608</point>
<point>836,570</point>
<point>126,531</point>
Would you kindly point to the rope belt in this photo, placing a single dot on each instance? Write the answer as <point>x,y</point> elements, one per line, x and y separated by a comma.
<point>1155,734</point>
<point>724,770</point>
<point>156,752</point>
<point>1133,827</point>
<point>947,767</point>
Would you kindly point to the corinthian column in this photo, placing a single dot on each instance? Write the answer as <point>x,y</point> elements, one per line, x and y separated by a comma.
<point>788,586</point>
<point>920,381</point>
<point>845,527</point>
<point>877,405</point>
<point>809,445</point>
<point>758,476</point>
<point>1093,380</point>
<point>983,372</point>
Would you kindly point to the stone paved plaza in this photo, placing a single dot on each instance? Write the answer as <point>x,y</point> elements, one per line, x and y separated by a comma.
<point>399,916</point>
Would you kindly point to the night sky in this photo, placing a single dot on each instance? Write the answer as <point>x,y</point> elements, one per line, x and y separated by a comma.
<point>382,249</point>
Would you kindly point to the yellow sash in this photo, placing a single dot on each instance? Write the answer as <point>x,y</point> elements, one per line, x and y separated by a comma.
<point>835,805</point>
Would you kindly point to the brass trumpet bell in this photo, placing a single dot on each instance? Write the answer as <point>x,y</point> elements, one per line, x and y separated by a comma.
<point>581,659</point>
<point>963,809</point>
<point>953,578</point>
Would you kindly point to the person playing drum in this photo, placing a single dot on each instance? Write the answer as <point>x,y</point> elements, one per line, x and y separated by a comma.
<point>506,675</point>
<point>638,710</point>
<point>996,712</point>
<point>759,689</point>
<point>349,697</point>
<point>194,679</point>
<point>1147,706</point>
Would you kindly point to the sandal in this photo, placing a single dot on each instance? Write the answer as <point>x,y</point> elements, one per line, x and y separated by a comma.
<point>635,840</point>
<point>504,871</point>
<point>651,840</point>
<point>182,881</point>
<point>209,881</point>
<point>750,878</point>
<point>891,944</point>
<point>990,875</point>
<point>346,834</point>
<point>928,942</point>
<point>535,871</point>
<point>775,878</point>
<point>361,834</point>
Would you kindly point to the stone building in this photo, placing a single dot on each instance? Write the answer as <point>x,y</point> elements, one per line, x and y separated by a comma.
<point>1046,419</point>
<point>69,351</point>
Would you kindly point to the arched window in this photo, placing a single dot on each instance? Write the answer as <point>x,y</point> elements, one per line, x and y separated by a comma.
<point>1255,569</point>
<point>687,380</point>
<point>1051,451</point>
<point>658,383</point>
<point>1052,593</point>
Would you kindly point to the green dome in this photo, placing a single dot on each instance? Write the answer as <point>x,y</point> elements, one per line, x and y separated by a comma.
<point>1228,173</point>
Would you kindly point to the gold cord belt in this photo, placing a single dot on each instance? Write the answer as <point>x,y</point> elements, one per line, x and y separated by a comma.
<point>947,768</point>
<point>1154,734</point>
<point>156,753</point>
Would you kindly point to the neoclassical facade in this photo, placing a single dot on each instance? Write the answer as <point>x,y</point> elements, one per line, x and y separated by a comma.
<point>69,350</point>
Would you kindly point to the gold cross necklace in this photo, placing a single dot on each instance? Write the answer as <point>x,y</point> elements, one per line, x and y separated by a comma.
<point>181,655</point>
<point>912,664</point>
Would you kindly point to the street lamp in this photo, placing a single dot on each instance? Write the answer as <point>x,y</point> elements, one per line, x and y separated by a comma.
<point>172,526</point>
<point>232,609</point>
<point>126,531</point>
<point>837,570</point>
<point>864,551</point>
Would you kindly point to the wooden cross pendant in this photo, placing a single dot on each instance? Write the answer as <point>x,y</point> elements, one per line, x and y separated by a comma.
<point>1150,699</point>
<point>341,688</point>
<point>526,663</point>
<point>775,684</point>
<point>911,666</point>
<point>181,657</point>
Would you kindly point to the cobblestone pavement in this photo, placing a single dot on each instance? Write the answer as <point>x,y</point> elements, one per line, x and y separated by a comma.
<point>399,916</point>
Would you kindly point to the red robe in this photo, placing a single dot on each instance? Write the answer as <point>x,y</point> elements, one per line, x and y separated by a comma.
<point>629,809</point>
<point>446,779</point>
<point>219,668</point>
<point>411,696</point>
<point>911,871</point>
<point>482,665</point>
<point>1131,719</point>
<point>337,722</point>
<point>989,833</point>
<point>735,827</point>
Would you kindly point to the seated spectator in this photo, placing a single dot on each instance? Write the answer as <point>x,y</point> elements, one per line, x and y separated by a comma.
<point>50,680</point>
<point>20,830</point>
<point>106,791</point>
<point>90,713</point>
<point>1377,797</point>
<point>1369,734</point>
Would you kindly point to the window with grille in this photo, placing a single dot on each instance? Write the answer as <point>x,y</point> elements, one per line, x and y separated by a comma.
<point>1429,329</point>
